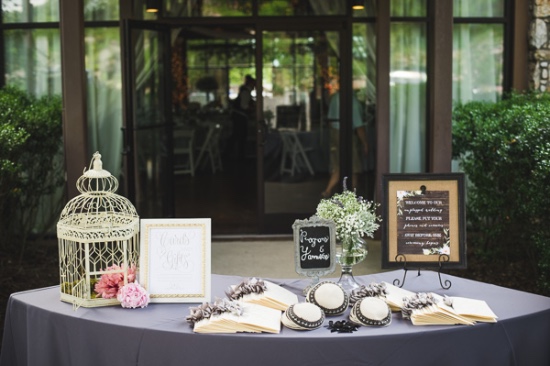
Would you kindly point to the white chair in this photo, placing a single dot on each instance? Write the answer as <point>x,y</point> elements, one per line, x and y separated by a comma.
<point>294,156</point>
<point>211,147</point>
<point>184,145</point>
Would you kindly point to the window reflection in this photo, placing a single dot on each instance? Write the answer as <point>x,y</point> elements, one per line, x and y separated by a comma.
<point>477,62</point>
<point>302,7</point>
<point>367,8</point>
<point>33,60</point>
<point>95,10</point>
<point>30,11</point>
<point>408,8</point>
<point>476,8</point>
<point>207,8</point>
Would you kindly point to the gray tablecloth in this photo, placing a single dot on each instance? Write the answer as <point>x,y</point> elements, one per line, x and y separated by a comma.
<point>42,330</point>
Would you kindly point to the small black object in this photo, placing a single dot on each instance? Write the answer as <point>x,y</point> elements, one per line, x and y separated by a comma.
<point>342,326</point>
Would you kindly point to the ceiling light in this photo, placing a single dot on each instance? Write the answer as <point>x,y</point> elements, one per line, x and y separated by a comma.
<point>357,4</point>
<point>152,6</point>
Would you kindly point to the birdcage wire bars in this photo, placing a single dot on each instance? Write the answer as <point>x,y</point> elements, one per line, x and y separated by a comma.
<point>98,234</point>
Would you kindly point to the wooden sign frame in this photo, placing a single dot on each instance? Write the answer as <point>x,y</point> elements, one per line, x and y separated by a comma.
<point>423,220</point>
<point>304,245</point>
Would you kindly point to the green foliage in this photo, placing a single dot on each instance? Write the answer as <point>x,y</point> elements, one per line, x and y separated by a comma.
<point>504,149</point>
<point>30,168</point>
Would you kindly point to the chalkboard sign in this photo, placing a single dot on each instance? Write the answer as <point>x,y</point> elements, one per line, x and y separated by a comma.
<point>314,241</point>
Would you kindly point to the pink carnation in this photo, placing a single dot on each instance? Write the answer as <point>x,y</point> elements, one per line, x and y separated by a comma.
<point>132,296</point>
<point>109,284</point>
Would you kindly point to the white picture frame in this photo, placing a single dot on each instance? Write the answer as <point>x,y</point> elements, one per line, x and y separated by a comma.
<point>175,259</point>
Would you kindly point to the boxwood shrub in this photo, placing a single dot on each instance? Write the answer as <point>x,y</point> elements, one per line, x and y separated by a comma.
<point>504,150</point>
<point>31,170</point>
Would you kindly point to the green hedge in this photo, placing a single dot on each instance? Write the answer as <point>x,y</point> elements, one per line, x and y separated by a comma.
<point>504,150</point>
<point>31,170</point>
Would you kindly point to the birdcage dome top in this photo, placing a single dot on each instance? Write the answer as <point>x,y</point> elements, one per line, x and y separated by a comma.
<point>96,180</point>
<point>97,213</point>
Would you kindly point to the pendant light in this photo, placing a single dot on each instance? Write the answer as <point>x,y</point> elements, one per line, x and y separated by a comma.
<point>357,4</point>
<point>152,6</point>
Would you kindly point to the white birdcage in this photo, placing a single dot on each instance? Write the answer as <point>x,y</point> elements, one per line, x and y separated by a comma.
<point>98,235</point>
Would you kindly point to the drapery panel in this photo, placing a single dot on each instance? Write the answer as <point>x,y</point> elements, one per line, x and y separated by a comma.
<point>408,97</point>
<point>104,102</point>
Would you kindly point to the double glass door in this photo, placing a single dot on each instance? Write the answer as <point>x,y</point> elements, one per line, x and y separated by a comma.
<point>257,173</point>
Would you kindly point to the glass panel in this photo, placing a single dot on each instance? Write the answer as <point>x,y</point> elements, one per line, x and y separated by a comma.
<point>300,75</point>
<point>477,62</point>
<point>207,71</point>
<point>104,102</point>
<point>476,8</point>
<point>364,88</point>
<point>33,60</point>
<point>30,11</point>
<point>207,8</point>
<point>408,98</point>
<point>301,7</point>
<point>214,68</point>
<point>408,8</point>
<point>101,10</point>
<point>364,8</point>
<point>153,176</point>
<point>214,143</point>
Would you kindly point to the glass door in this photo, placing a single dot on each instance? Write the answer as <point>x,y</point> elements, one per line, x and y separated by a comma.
<point>255,126</point>
<point>300,81</point>
<point>214,96</point>
<point>148,122</point>
<point>317,102</point>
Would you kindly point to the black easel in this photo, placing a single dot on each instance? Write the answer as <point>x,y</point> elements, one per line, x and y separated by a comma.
<point>403,258</point>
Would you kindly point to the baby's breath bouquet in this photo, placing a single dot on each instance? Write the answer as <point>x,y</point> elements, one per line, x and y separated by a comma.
<point>353,215</point>
<point>354,218</point>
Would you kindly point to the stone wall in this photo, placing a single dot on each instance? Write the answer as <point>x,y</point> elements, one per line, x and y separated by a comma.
<point>539,45</point>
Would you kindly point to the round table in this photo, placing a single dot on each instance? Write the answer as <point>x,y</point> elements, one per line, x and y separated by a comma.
<point>42,330</point>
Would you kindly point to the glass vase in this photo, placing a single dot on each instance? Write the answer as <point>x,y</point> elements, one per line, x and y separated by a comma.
<point>349,252</point>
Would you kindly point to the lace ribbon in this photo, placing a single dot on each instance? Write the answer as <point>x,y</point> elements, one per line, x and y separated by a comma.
<point>250,286</point>
<point>207,310</point>
<point>417,301</point>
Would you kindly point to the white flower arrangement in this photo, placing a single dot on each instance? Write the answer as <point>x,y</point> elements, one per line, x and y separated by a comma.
<point>353,216</point>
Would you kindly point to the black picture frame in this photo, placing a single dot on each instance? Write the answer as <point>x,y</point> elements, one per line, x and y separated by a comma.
<point>424,221</point>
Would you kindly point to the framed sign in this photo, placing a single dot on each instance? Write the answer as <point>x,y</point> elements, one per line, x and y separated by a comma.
<point>175,259</point>
<point>423,220</point>
<point>314,241</point>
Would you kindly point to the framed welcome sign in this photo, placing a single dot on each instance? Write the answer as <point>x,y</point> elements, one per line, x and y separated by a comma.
<point>423,220</point>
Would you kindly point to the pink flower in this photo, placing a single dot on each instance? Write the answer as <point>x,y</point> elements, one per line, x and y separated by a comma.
<point>132,296</point>
<point>131,273</point>
<point>109,284</point>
